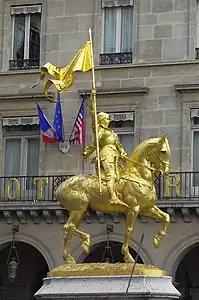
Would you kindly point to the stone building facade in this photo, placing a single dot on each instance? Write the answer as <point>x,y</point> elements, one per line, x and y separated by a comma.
<point>146,69</point>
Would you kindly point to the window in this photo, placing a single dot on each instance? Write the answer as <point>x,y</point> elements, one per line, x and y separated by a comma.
<point>117,33</point>
<point>26,26</point>
<point>123,124</point>
<point>21,144</point>
<point>195,146</point>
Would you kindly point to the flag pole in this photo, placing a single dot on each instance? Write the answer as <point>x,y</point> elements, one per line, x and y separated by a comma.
<point>95,112</point>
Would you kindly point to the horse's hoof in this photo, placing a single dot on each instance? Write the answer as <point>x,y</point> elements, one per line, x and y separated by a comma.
<point>128,259</point>
<point>156,242</point>
<point>69,260</point>
<point>86,244</point>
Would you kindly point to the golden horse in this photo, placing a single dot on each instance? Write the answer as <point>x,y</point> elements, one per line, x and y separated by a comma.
<point>135,188</point>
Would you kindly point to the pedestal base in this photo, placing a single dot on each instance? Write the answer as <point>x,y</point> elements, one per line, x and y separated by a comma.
<point>108,287</point>
<point>105,269</point>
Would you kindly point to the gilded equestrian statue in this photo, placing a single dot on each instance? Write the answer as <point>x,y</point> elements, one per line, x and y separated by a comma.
<point>131,192</point>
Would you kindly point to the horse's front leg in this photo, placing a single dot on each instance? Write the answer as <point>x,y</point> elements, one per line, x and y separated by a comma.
<point>158,214</point>
<point>130,221</point>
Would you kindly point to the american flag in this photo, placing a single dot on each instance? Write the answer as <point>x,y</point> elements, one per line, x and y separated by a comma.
<point>78,132</point>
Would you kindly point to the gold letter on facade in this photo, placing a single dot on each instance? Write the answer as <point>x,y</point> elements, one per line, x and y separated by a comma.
<point>40,181</point>
<point>16,192</point>
<point>172,181</point>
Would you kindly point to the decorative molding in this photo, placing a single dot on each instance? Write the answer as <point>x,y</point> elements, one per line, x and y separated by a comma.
<point>25,9</point>
<point>197,211</point>
<point>22,216</point>
<point>35,216</point>
<point>172,214</point>
<point>8,216</point>
<point>101,217</point>
<point>60,216</point>
<point>25,120</point>
<point>194,113</point>
<point>47,216</point>
<point>187,88</point>
<point>10,213</point>
<point>186,214</point>
<point>116,91</point>
<point>115,218</point>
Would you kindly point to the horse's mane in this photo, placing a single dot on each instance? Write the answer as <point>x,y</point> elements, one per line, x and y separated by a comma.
<point>143,146</point>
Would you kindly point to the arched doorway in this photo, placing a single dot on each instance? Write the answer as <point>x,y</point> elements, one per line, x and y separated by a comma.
<point>100,253</point>
<point>186,278</point>
<point>30,273</point>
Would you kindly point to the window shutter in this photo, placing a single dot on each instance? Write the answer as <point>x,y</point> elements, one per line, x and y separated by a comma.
<point>117,3</point>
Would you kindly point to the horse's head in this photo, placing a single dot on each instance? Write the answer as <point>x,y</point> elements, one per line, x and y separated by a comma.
<point>159,156</point>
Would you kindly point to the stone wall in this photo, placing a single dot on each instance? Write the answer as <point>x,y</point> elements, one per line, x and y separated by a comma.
<point>164,32</point>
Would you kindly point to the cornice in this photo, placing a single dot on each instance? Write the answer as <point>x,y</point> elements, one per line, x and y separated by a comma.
<point>116,91</point>
<point>24,96</point>
<point>52,213</point>
<point>187,88</point>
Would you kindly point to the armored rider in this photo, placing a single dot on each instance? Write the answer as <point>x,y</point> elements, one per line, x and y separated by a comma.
<point>110,151</point>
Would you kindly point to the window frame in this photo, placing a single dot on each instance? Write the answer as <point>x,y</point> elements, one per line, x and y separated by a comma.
<point>118,29</point>
<point>28,10</point>
<point>194,128</point>
<point>24,147</point>
<point>128,131</point>
<point>26,38</point>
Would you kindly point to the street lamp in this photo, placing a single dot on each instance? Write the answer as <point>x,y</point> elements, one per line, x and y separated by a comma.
<point>107,256</point>
<point>13,258</point>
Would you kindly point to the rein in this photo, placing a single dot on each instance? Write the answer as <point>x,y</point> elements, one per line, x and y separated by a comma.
<point>138,163</point>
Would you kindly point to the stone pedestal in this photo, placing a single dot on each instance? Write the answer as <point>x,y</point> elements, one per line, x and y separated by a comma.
<point>108,287</point>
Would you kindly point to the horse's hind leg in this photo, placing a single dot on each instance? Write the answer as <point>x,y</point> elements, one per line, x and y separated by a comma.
<point>70,229</point>
<point>67,238</point>
<point>158,214</point>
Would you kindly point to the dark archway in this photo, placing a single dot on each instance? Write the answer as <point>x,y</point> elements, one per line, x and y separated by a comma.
<point>100,253</point>
<point>186,278</point>
<point>30,273</point>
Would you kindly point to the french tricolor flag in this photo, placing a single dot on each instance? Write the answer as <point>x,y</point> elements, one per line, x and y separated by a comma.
<point>48,132</point>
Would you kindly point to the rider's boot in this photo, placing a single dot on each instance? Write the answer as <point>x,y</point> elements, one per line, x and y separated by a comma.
<point>112,191</point>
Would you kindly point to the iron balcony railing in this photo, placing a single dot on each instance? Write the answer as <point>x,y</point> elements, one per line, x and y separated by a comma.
<point>30,188</point>
<point>24,64</point>
<point>176,186</point>
<point>116,58</point>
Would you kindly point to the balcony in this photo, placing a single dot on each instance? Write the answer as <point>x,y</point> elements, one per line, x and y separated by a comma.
<point>24,64</point>
<point>34,196</point>
<point>175,188</point>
